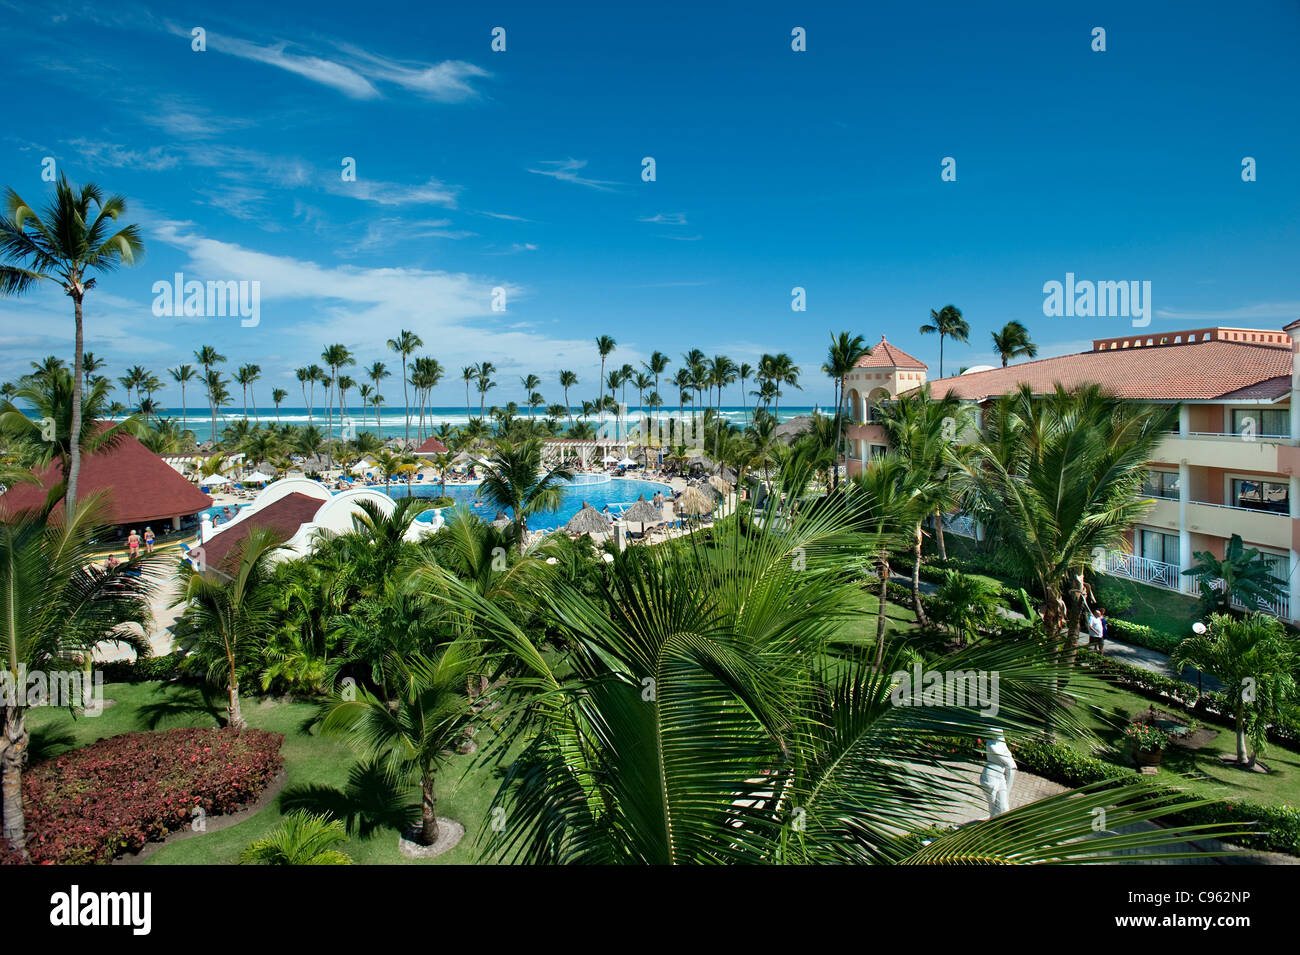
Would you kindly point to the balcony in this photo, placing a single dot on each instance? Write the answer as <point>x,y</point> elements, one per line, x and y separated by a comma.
<point>1268,528</point>
<point>1232,451</point>
<point>1159,574</point>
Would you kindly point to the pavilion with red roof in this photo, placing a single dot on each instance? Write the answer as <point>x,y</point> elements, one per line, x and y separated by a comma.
<point>139,487</point>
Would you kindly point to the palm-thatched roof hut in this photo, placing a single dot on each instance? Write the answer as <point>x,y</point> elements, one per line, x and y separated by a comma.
<point>588,520</point>
<point>694,502</point>
<point>720,484</point>
<point>643,512</point>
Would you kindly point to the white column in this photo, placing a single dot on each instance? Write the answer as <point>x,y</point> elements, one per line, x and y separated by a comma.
<point>1184,535</point>
<point>1184,420</point>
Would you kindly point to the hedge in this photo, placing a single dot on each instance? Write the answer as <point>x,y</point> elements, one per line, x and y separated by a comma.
<point>173,666</point>
<point>91,805</point>
<point>1279,825</point>
<point>1142,636</point>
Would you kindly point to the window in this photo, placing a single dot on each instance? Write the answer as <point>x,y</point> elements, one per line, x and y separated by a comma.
<point>1262,496</point>
<point>1273,422</point>
<point>1153,545</point>
<point>878,450</point>
<point>1161,484</point>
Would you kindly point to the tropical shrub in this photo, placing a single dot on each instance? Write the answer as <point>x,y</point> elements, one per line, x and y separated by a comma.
<point>112,797</point>
<point>1146,737</point>
<point>172,666</point>
<point>302,839</point>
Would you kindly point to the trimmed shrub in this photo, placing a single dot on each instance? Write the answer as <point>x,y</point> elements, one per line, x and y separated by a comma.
<point>173,666</point>
<point>1141,635</point>
<point>112,797</point>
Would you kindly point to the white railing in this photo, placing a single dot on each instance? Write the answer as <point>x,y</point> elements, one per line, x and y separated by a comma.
<point>1142,569</point>
<point>1281,607</point>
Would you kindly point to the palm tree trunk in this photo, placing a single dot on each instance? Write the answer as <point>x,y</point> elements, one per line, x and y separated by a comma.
<point>916,579</point>
<point>13,753</point>
<point>74,438</point>
<point>428,810</point>
<point>234,716</point>
<point>882,568</point>
<point>406,403</point>
<point>938,535</point>
<point>1243,755</point>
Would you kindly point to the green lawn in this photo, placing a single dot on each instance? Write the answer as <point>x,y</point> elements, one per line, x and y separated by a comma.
<point>465,789</point>
<point>1108,709</point>
<point>1156,607</point>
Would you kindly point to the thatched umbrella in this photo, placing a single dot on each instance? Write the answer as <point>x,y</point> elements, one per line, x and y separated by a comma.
<point>693,502</point>
<point>643,512</point>
<point>720,484</point>
<point>588,520</point>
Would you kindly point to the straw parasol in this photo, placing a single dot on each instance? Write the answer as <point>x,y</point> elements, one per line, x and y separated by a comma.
<point>643,512</point>
<point>720,484</point>
<point>588,520</point>
<point>693,502</point>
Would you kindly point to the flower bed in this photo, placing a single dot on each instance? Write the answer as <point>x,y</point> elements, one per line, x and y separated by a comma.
<point>94,804</point>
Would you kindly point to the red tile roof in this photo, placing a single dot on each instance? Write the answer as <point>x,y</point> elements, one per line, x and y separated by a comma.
<point>224,550</point>
<point>1189,371</point>
<point>885,355</point>
<point>139,486</point>
<point>431,446</point>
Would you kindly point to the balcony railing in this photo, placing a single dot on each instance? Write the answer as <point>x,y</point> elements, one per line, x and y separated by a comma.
<point>1142,569</point>
<point>1278,608</point>
<point>962,524</point>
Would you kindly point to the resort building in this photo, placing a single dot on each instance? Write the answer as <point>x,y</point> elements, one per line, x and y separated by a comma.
<point>139,488</point>
<point>297,511</point>
<point>1232,467</point>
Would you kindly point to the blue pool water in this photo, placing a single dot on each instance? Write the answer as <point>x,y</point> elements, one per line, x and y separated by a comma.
<point>615,492</point>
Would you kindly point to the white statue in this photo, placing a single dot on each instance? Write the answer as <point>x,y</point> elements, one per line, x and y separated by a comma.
<point>999,773</point>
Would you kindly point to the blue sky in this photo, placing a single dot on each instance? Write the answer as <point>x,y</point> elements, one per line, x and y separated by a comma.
<point>775,169</point>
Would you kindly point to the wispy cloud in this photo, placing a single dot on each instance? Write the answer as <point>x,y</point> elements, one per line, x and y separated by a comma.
<point>566,170</point>
<point>508,218</point>
<point>433,192</point>
<point>683,238</point>
<point>665,218</point>
<point>113,156</point>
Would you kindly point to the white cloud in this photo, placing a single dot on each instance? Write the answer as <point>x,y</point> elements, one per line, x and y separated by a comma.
<point>566,170</point>
<point>665,218</point>
<point>1259,312</point>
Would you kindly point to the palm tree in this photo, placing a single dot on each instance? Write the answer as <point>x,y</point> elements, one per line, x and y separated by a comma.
<point>605,345</point>
<point>784,372</point>
<point>483,375</point>
<point>208,358</point>
<point>277,396</point>
<point>567,380</point>
<point>949,324</point>
<point>302,839</point>
<point>182,375</point>
<point>1060,477</point>
<point>966,604</point>
<point>305,377</point>
<point>225,622</point>
<point>377,373</point>
<point>841,358</point>
<point>468,374</point>
<point>405,345</point>
<point>218,397</point>
<point>1256,661</point>
<point>513,481</point>
<point>66,246</point>
<point>694,715</point>
<point>1012,342</point>
<point>57,602</point>
<point>415,730</point>
<point>336,356</point>
<point>530,384</point>
<point>657,365</point>
<point>1244,575</point>
<point>245,376</point>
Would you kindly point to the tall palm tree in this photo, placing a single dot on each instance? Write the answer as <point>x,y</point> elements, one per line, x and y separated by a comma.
<point>744,373</point>
<point>841,357</point>
<point>336,356</point>
<point>415,730</point>
<point>183,375</point>
<point>405,345</point>
<point>468,374</point>
<point>513,481</point>
<point>696,716</point>
<point>1060,476</point>
<point>245,376</point>
<point>1012,342</point>
<point>657,365</point>
<point>1257,663</point>
<point>483,376</point>
<point>947,322</point>
<point>567,380</point>
<point>208,358</point>
<point>57,601</point>
<point>277,397</point>
<point>378,372</point>
<point>66,246</point>
<point>226,621</point>
<point>530,384</point>
<point>605,345</point>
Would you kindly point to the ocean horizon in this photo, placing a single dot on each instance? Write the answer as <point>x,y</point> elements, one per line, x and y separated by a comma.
<point>392,424</point>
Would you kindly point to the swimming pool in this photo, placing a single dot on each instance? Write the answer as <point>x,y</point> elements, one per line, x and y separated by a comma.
<point>617,493</point>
